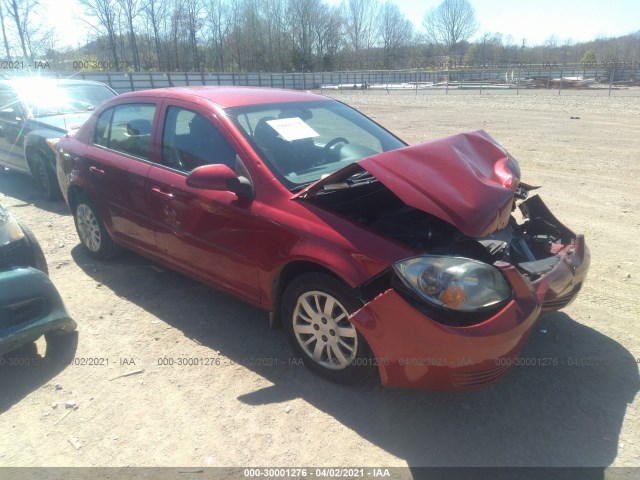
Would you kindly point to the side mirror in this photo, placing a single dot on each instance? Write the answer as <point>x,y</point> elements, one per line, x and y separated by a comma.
<point>219,177</point>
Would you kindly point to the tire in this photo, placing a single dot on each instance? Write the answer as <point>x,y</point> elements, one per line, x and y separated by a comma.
<point>44,176</point>
<point>91,230</point>
<point>319,329</point>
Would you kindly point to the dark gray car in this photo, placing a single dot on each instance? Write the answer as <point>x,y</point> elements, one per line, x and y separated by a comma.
<point>34,114</point>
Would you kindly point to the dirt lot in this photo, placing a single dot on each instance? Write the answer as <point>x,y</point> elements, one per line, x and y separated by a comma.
<point>237,413</point>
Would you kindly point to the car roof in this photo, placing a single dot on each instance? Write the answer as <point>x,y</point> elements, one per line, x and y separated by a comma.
<point>227,97</point>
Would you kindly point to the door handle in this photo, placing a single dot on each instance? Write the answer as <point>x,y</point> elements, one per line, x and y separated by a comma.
<point>160,192</point>
<point>96,170</point>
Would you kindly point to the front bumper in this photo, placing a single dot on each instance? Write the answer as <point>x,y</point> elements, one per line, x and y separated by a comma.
<point>412,350</point>
<point>30,306</point>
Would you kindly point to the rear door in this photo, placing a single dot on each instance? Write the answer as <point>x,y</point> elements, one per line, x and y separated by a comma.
<point>209,234</point>
<point>117,165</point>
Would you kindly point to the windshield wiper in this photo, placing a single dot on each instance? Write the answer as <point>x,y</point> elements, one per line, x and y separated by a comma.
<point>301,187</point>
<point>358,177</point>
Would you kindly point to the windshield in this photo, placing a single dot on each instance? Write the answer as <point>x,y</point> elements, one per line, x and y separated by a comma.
<point>51,99</point>
<point>302,142</point>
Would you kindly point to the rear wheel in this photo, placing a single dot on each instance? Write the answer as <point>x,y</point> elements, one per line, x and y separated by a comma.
<point>316,309</point>
<point>91,230</point>
<point>44,176</point>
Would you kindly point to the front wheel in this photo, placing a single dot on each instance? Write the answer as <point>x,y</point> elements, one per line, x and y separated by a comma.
<point>316,309</point>
<point>91,230</point>
<point>45,177</point>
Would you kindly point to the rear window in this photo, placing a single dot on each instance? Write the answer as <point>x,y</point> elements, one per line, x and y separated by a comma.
<point>126,128</point>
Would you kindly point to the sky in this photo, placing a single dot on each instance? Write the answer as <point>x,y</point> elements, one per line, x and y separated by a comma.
<point>534,21</point>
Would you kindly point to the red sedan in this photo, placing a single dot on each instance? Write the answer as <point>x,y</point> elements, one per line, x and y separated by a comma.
<point>375,256</point>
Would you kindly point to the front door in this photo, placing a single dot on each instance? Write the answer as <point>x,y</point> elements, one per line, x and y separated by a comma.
<point>209,234</point>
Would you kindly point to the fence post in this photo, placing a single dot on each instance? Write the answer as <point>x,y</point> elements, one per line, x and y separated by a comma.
<point>133,88</point>
<point>613,70</point>
<point>519,75</point>
<point>448,78</point>
<point>561,75</point>
<point>481,78</point>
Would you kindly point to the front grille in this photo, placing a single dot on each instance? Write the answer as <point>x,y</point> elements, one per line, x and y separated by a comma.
<point>479,378</point>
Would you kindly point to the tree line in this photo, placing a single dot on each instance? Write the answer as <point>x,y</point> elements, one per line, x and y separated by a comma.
<point>281,36</point>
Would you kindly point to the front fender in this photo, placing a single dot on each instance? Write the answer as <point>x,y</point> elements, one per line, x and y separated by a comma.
<point>36,140</point>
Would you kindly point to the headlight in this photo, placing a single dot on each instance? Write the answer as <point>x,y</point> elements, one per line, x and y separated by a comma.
<point>10,231</point>
<point>456,283</point>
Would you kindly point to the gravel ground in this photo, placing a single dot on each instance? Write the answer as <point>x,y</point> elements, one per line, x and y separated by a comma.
<point>593,101</point>
<point>238,413</point>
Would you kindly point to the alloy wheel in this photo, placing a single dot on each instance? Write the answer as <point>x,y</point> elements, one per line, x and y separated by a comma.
<point>88,227</point>
<point>322,328</point>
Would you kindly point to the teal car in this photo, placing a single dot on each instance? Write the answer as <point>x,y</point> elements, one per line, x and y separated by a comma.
<point>30,305</point>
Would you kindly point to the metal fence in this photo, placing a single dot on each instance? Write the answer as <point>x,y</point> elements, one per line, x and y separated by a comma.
<point>509,78</point>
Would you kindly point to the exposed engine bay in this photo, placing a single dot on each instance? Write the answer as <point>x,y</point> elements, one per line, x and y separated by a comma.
<point>532,246</point>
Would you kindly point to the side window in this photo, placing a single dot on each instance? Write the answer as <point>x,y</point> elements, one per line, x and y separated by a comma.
<point>126,128</point>
<point>101,135</point>
<point>190,141</point>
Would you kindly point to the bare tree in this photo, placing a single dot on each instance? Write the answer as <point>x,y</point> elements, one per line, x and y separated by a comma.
<point>217,27</point>
<point>154,11</point>
<point>193,22</point>
<point>395,30</point>
<point>19,11</point>
<point>328,35</point>
<point>451,22</point>
<point>276,33</point>
<point>359,22</point>
<point>106,12</point>
<point>131,9</point>
<point>4,32</point>
<point>303,15</point>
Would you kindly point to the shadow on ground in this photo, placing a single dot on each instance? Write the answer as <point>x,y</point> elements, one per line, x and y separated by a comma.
<point>22,187</point>
<point>569,414</point>
<point>25,370</point>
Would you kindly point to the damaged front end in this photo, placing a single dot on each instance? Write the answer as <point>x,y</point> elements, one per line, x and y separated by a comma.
<point>434,343</point>
<point>454,315</point>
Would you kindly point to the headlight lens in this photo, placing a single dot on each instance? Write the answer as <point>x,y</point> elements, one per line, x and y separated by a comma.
<point>456,283</point>
<point>10,230</point>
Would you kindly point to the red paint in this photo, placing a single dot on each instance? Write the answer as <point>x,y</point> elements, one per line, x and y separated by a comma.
<point>240,243</point>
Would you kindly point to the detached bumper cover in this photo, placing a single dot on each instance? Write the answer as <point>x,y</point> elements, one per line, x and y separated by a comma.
<point>412,350</point>
<point>30,306</point>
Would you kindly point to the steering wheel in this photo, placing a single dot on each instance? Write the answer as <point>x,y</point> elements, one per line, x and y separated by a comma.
<point>328,151</point>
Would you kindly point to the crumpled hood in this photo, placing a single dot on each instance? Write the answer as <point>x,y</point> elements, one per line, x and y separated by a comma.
<point>467,180</point>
